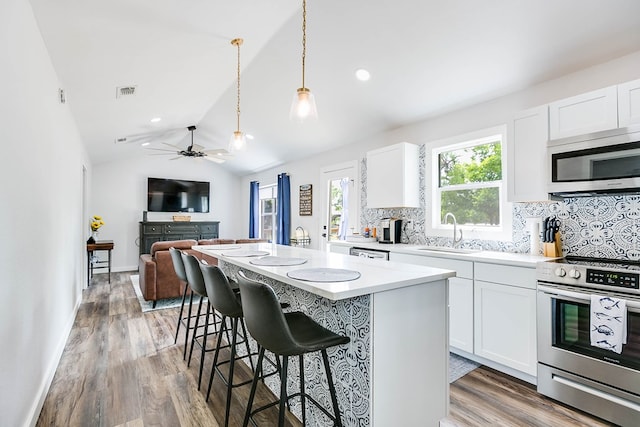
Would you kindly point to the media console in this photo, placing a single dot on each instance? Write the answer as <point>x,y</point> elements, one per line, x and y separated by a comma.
<point>156,231</point>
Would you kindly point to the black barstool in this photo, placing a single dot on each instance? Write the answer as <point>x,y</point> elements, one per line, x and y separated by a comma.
<point>226,301</point>
<point>196,283</point>
<point>285,334</point>
<point>178,267</point>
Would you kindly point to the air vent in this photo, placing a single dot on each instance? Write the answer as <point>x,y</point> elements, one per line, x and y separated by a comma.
<point>121,140</point>
<point>125,91</point>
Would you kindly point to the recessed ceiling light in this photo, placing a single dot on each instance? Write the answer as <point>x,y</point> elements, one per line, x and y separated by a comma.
<point>362,75</point>
<point>144,144</point>
<point>156,119</point>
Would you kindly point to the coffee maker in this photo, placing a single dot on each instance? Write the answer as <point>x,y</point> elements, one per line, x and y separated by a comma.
<point>391,230</point>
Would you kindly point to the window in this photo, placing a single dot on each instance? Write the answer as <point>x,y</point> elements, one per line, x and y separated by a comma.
<point>468,181</point>
<point>268,212</point>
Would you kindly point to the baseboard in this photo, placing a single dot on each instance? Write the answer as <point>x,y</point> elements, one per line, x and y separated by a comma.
<point>51,370</point>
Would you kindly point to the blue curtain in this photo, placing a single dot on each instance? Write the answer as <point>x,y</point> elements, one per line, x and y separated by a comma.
<point>283,213</point>
<point>254,209</point>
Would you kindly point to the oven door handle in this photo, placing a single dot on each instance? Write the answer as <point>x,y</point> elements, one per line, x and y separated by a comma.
<point>631,302</point>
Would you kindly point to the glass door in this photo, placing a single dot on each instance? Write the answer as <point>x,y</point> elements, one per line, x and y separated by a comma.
<point>341,207</point>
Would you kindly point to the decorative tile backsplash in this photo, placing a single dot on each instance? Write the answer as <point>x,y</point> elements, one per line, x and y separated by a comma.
<point>604,227</point>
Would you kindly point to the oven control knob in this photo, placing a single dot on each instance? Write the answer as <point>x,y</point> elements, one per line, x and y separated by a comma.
<point>560,272</point>
<point>574,273</point>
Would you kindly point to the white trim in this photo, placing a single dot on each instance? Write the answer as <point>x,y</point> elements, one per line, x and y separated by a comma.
<point>354,212</point>
<point>47,379</point>
<point>432,226</point>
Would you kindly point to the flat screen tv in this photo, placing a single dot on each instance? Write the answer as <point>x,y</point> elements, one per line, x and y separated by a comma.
<point>177,195</point>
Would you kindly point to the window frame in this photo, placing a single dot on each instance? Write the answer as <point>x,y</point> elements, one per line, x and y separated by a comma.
<point>432,212</point>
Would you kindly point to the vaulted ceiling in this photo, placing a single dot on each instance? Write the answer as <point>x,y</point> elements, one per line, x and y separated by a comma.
<point>425,57</point>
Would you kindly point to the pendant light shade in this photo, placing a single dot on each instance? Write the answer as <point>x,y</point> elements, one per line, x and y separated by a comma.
<point>304,104</point>
<point>238,141</point>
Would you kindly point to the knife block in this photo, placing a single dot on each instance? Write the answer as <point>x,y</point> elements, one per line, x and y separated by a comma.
<point>553,249</point>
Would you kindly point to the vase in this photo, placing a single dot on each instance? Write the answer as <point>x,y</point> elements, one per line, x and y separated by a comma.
<point>94,237</point>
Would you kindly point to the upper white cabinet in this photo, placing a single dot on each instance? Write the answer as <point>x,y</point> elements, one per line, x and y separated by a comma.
<point>629,103</point>
<point>527,168</point>
<point>392,176</point>
<point>586,113</point>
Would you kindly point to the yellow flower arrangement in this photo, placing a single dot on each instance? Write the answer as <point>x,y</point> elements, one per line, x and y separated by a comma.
<point>96,222</point>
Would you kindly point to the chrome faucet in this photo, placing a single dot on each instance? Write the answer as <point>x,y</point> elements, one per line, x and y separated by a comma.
<point>455,227</point>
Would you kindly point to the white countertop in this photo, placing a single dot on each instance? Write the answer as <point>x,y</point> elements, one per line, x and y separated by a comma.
<point>376,276</point>
<point>503,258</point>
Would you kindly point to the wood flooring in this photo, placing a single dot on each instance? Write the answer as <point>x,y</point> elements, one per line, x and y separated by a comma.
<point>121,368</point>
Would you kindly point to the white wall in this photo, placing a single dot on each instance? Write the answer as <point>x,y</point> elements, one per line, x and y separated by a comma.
<point>42,245</point>
<point>481,116</point>
<point>119,195</point>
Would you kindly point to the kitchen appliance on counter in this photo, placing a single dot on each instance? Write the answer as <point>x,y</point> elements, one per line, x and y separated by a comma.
<point>607,165</point>
<point>391,230</point>
<point>369,253</point>
<point>572,370</point>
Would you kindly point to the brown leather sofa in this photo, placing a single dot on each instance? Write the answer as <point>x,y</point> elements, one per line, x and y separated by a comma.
<point>158,279</point>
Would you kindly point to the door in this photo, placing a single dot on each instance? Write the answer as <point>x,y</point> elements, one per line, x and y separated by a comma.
<point>340,202</point>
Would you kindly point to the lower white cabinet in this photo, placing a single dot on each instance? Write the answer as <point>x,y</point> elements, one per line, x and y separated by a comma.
<point>460,295</point>
<point>461,314</point>
<point>505,316</point>
<point>339,249</point>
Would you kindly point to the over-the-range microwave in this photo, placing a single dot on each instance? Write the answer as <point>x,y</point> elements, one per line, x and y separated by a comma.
<point>607,165</point>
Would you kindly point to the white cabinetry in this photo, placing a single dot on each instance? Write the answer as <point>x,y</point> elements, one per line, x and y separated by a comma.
<point>629,103</point>
<point>526,155</point>
<point>460,296</point>
<point>505,315</point>
<point>339,249</point>
<point>392,176</point>
<point>582,114</point>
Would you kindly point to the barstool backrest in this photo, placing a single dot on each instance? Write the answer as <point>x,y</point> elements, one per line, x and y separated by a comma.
<point>264,317</point>
<point>194,275</point>
<point>178,265</point>
<point>219,291</point>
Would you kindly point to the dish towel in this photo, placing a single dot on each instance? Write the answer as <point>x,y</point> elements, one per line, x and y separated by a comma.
<point>608,322</point>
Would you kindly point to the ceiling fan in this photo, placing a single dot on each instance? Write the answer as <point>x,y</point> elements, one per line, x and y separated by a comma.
<point>219,155</point>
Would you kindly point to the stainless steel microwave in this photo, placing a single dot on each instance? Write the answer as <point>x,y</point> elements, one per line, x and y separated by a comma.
<point>608,165</point>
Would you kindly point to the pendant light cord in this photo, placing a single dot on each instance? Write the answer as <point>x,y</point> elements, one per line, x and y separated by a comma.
<point>238,42</point>
<point>304,37</point>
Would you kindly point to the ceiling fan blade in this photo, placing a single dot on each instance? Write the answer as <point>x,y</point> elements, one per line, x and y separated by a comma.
<point>215,159</point>
<point>176,158</point>
<point>173,146</point>
<point>197,147</point>
<point>161,149</point>
<point>155,136</point>
<point>162,154</point>
<point>217,151</point>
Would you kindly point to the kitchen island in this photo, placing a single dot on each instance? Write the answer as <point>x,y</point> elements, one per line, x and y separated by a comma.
<point>395,369</point>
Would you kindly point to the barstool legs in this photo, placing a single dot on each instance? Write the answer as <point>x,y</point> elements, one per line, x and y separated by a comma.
<point>254,385</point>
<point>184,298</point>
<point>332,388</point>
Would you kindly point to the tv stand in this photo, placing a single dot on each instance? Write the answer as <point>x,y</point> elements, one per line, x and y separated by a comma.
<point>157,231</point>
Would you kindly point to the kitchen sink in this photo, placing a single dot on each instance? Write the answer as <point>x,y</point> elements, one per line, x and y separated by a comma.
<point>445,249</point>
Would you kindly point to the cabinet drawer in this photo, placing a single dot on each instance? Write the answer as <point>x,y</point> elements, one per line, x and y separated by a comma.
<point>208,229</point>
<point>180,228</point>
<point>152,229</point>
<point>522,277</point>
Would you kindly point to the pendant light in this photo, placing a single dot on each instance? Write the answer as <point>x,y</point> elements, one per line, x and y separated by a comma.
<point>238,140</point>
<point>304,104</point>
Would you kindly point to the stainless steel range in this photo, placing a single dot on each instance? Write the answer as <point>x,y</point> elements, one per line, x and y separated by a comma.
<point>602,378</point>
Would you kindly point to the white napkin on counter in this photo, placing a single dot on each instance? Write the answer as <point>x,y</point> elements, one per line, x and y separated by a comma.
<point>608,322</point>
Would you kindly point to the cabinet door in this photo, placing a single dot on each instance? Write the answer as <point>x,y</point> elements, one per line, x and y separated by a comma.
<point>392,176</point>
<point>339,249</point>
<point>527,170</point>
<point>461,313</point>
<point>505,325</point>
<point>579,115</point>
<point>629,103</point>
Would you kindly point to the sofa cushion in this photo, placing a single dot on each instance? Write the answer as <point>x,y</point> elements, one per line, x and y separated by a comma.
<point>216,242</point>
<point>178,244</point>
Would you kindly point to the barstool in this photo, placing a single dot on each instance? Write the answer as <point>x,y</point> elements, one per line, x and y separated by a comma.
<point>196,283</point>
<point>285,334</point>
<point>226,301</point>
<point>178,267</point>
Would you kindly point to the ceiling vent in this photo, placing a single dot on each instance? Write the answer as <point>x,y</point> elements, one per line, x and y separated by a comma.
<point>125,91</point>
<point>121,140</point>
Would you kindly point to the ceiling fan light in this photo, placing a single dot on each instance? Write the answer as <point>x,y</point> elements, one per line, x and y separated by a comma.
<point>238,141</point>
<point>303,105</point>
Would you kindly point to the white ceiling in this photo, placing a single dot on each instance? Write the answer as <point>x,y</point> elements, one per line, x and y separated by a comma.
<point>426,57</point>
